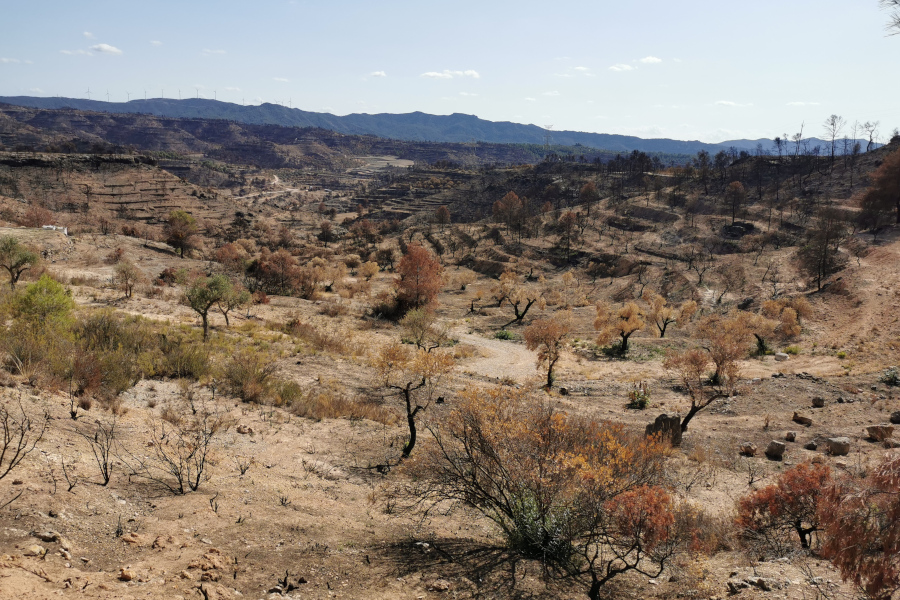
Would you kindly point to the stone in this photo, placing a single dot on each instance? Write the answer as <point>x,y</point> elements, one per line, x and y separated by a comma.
<point>47,536</point>
<point>879,433</point>
<point>781,356</point>
<point>563,391</point>
<point>440,585</point>
<point>800,419</point>
<point>775,450</point>
<point>818,402</point>
<point>244,429</point>
<point>35,550</point>
<point>126,574</point>
<point>736,585</point>
<point>748,449</point>
<point>891,443</point>
<point>790,436</point>
<point>812,445</point>
<point>668,427</point>
<point>838,446</point>
<point>895,417</point>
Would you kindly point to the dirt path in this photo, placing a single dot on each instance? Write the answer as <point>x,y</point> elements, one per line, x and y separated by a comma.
<point>497,358</point>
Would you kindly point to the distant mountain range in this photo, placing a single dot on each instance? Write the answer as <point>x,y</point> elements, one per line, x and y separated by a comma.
<point>416,126</point>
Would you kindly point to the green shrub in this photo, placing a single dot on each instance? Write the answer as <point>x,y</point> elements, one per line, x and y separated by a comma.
<point>639,396</point>
<point>249,376</point>
<point>842,355</point>
<point>890,376</point>
<point>793,350</point>
<point>179,358</point>
<point>505,334</point>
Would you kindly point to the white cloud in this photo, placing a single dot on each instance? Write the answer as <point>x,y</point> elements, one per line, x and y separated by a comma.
<point>448,74</point>
<point>208,52</point>
<point>531,99</point>
<point>88,35</point>
<point>582,69</point>
<point>802,104</point>
<point>155,43</point>
<point>28,62</point>
<point>6,61</point>
<point>73,52</point>
<point>106,49</point>
<point>553,93</point>
<point>377,74</point>
<point>36,90</point>
<point>467,94</point>
<point>281,79</point>
<point>676,60</point>
<point>621,67</point>
<point>651,60</point>
<point>732,104</point>
<point>232,89</point>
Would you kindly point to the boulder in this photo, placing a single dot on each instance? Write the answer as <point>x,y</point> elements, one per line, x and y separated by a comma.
<point>775,450</point>
<point>895,417</point>
<point>812,445</point>
<point>790,436</point>
<point>748,449</point>
<point>798,418</point>
<point>781,356</point>
<point>667,427</point>
<point>879,433</point>
<point>839,446</point>
<point>818,402</point>
<point>891,443</point>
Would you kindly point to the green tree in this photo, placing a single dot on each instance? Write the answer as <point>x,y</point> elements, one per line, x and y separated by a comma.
<point>205,293</point>
<point>236,297</point>
<point>44,303</point>
<point>15,258</point>
<point>181,229</point>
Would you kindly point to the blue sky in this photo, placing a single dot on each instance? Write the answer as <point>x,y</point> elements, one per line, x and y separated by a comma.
<point>699,69</point>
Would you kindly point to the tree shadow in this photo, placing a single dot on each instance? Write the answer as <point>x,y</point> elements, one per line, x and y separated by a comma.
<point>493,570</point>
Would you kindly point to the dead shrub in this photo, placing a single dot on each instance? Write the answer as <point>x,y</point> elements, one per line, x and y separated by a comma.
<point>319,403</point>
<point>114,257</point>
<point>317,339</point>
<point>334,308</point>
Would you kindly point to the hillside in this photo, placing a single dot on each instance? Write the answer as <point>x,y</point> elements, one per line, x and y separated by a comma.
<point>416,126</point>
<point>266,459</point>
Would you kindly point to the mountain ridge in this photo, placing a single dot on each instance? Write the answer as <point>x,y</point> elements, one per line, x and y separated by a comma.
<point>415,126</point>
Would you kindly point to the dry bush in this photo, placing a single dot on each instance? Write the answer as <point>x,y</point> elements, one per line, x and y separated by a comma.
<point>786,510</point>
<point>318,402</point>
<point>249,376</point>
<point>334,308</point>
<point>314,337</point>
<point>180,449</point>
<point>19,435</point>
<point>861,518</point>
<point>583,497</point>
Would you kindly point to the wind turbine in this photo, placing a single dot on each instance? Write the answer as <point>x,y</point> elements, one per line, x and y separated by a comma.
<point>107,96</point>
<point>214,95</point>
<point>129,95</point>
<point>89,93</point>
<point>145,94</point>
